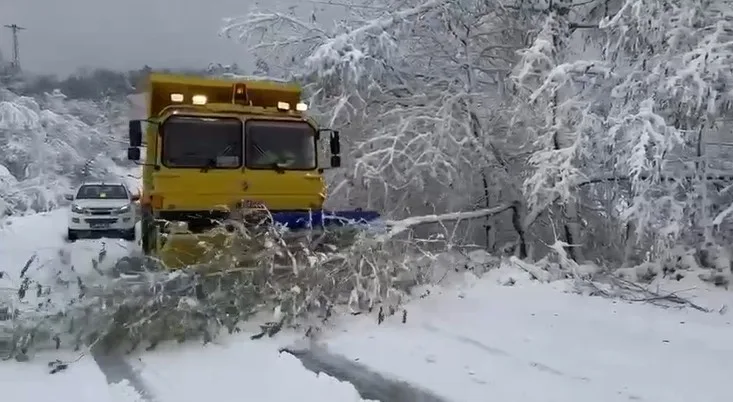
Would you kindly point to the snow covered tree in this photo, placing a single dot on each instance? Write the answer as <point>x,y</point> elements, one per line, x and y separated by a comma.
<point>47,149</point>
<point>417,89</point>
<point>678,62</point>
<point>595,126</point>
<point>629,119</point>
<point>556,92</point>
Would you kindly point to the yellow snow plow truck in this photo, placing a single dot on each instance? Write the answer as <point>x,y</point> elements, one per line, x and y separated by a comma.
<point>218,150</point>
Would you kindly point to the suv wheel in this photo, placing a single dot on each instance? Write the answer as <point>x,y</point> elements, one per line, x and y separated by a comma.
<point>129,234</point>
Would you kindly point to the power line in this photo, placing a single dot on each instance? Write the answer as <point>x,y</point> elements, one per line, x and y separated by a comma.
<point>16,46</point>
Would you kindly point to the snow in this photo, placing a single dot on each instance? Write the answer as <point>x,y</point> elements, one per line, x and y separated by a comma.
<point>42,237</point>
<point>470,338</point>
<point>235,365</point>
<point>189,373</point>
<point>586,134</point>
<point>124,392</point>
<point>533,342</point>
<point>31,382</point>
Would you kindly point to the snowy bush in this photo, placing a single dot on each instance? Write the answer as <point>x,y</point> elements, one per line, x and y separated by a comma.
<point>48,148</point>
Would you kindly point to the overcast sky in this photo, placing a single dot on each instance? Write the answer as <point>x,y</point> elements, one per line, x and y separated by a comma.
<point>63,35</point>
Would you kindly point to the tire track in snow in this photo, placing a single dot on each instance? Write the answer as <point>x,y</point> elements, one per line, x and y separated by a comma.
<point>498,352</point>
<point>370,384</point>
<point>117,370</point>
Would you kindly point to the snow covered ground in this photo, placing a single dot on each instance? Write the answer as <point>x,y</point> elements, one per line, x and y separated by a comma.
<point>471,340</point>
<point>532,342</point>
<point>42,237</point>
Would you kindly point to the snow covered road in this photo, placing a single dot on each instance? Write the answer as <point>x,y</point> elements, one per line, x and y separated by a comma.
<point>171,373</point>
<point>474,340</point>
<point>42,237</point>
<point>236,368</point>
<point>535,343</point>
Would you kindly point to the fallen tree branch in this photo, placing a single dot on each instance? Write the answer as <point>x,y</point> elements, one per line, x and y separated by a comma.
<point>664,178</point>
<point>397,227</point>
<point>533,271</point>
<point>723,215</point>
<point>631,291</point>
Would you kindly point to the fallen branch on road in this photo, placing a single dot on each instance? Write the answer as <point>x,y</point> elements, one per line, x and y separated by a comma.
<point>397,227</point>
<point>633,292</point>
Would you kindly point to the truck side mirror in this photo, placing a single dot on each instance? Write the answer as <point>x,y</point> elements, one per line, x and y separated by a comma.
<point>335,143</point>
<point>335,161</point>
<point>133,153</point>
<point>136,133</point>
<point>69,197</point>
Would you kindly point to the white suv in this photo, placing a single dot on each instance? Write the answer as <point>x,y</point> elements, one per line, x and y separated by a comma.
<point>103,209</point>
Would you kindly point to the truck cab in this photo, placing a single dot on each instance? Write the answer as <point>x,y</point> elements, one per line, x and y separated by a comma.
<point>213,147</point>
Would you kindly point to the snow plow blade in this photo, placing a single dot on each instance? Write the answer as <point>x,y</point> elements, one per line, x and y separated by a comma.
<point>218,248</point>
<point>299,220</point>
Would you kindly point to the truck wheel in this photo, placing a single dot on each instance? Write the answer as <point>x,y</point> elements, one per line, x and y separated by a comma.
<point>71,235</point>
<point>147,229</point>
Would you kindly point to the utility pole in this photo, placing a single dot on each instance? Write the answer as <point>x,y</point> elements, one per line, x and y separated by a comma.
<point>16,47</point>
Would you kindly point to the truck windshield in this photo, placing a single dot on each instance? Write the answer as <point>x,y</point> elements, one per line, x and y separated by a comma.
<point>101,192</point>
<point>193,142</point>
<point>280,145</point>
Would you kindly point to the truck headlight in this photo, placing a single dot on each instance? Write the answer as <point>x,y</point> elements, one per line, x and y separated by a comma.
<point>77,209</point>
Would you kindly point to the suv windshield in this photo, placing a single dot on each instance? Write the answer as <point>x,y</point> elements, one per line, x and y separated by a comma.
<point>102,192</point>
<point>278,144</point>
<point>201,142</point>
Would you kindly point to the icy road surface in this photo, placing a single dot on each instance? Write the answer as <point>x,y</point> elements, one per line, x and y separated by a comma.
<point>474,340</point>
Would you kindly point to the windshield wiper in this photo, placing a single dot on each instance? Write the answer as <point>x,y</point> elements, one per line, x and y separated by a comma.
<point>258,148</point>
<point>212,163</point>
<point>278,167</point>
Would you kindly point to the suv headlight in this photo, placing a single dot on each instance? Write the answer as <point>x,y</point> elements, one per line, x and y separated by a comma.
<point>124,209</point>
<point>77,209</point>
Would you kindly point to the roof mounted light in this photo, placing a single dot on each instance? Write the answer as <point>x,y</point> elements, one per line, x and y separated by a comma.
<point>176,97</point>
<point>239,94</point>
<point>301,107</point>
<point>283,106</point>
<point>198,100</point>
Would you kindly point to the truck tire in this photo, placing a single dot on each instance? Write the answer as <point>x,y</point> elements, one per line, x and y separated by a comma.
<point>147,231</point>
